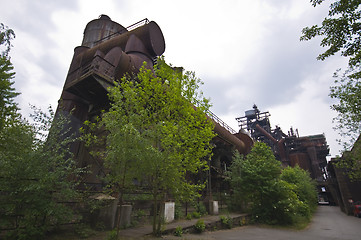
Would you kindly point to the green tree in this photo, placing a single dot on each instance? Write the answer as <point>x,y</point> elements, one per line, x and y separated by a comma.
<point>274,195</point>
<point>304,187</point>
<point>253,179</point>
<point>350,162</point>
<point>341,32</point>
<point>6,36</point>
<point>156,135</point>
<point>347,90</point>
<point>36,176</point>
<point>7,93</point>
<point>37,172</point>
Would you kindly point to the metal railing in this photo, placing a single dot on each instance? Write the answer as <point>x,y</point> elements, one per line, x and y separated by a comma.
<point>138,24</point>
<point>215,118</point>
<point>97,65</point>
<point>129,28</point>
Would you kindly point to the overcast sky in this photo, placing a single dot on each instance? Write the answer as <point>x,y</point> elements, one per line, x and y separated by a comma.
<point>246,52</point>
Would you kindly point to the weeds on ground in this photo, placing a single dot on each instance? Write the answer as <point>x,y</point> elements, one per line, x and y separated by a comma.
<point>226,221</point>
<point>196,215</point>
<point>178,231</point>
<point>200,226</point>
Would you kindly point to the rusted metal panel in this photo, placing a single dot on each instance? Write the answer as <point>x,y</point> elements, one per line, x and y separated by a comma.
<point>100,30</point>
<point>301,159</point>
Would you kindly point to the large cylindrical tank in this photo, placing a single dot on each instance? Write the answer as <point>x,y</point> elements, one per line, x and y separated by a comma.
<point>101,29</point>
<point>150,34</point>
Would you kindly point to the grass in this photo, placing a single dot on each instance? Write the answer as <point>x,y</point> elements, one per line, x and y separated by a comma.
<point>301,223</point>
<point>76,233</point>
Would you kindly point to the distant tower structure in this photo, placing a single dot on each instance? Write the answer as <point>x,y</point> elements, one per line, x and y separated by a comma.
<point>252,121</point>
<point>308,152</point>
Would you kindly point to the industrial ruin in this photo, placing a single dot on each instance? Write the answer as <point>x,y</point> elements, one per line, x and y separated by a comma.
<point>309,152</point>
<point>109,51</point>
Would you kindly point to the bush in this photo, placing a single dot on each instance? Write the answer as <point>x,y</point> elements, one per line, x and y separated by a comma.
<point>200,226</point>
<point>189,216</point>
<point>178,213</point>
<point>178,231</point>
<point>38,176</point>
<point>196,215</point>
<point>201,208</point>
<point>112,235</point>
<point>274,195</point>
<point>243,221</point>
<point>84,231</point>
<point>304,187</point>
<point>226,221</point>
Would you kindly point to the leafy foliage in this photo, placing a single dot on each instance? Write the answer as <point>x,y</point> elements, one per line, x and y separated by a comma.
<point>274,196</point>
<point>155,134</point>
<point>226,221</point>
<point>196,214</point>
<point>36,176</point>
<point>303,185</point>
<point>6,36</point>
<point>341,32</point>
<point>350,162</point>
<point>252,177</point>
<point>178,231</point>
<point>37,172</point>
<point>200,226</point>
<point>200,208</point>
<point>7,93</point>
<point>348,91</point>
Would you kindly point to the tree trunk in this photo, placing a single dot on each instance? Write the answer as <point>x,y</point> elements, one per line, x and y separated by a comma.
<point>119,200</point>
<point>160,217</point>
<point>155,212</point>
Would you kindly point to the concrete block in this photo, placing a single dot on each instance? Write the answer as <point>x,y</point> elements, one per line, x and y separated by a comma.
<point>125,213</point>
<point>169,208</point>
<point>105,215</point>
<point>213,208</point>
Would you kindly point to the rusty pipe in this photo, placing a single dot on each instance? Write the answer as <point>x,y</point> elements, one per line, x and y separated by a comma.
<point>279,143</point>
<point>230,138</point>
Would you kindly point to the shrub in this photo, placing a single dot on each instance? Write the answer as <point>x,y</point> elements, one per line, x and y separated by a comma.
<point>189,216</point>
<point>226,221</point>
<point>196,215</point>
<point>112,235</point>
<point>274,195</point>
<point>201,208</point>
<point>200,226</point>
<point>178,213</point>
<point>178,231</point>
<point>242,222</point>
<point>83,231</point>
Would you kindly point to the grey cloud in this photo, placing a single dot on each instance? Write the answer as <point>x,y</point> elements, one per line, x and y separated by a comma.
<point>35,16</point>
<point>55,71</point>
<point>273,77</point>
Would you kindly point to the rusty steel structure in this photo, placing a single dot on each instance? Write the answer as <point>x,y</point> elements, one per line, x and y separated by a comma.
<point>339,188</point>
<point>309,152</point>
<point>108,52</point>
